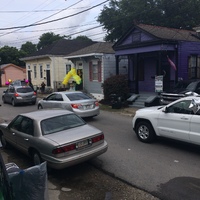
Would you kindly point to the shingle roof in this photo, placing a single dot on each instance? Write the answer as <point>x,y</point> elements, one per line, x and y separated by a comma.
<point>99,47</point>
<point>169,33</point>
<point>61,47</point>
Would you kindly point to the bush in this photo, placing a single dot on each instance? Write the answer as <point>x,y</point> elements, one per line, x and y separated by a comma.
<point>118,85</point>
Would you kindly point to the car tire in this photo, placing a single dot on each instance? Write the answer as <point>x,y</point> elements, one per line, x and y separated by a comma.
<point>3,99</point>
<point>40,107</point>
<point>145,132</point>
<point>4,143</point>
<point>34,102</point>
<point>13,102</point>
<point>36,158</point>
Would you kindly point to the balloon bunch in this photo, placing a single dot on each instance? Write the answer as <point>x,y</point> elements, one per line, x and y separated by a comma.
<point>72,73</point>
<point>8,82</point>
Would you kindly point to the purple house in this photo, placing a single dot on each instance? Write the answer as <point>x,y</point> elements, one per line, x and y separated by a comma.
<point>153,51</point>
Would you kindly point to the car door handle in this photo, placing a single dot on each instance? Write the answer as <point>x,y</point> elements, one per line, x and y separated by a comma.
<point>26,139</point>
<point>184,118</point>
<point>13,133</point>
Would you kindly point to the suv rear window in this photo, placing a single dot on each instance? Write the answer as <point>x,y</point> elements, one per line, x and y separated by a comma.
<point>24,90</point>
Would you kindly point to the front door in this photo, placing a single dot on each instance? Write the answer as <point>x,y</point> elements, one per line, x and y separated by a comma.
<point>48,78</point>
<point>80,74</point>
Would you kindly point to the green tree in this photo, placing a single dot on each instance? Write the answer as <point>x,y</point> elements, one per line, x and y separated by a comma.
<point>10,55</point>
<point>28,48</point>
<point>82,38</point>
<point>120,15</point>
<point>47,39</point>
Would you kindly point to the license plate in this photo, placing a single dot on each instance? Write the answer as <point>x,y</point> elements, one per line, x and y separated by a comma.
<point>82,144</point>
<point>88,107</point>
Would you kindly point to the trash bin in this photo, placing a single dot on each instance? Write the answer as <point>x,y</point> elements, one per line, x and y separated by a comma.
<point>116,101</point>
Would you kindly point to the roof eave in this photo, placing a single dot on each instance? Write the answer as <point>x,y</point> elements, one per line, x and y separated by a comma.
<point>84,55</point>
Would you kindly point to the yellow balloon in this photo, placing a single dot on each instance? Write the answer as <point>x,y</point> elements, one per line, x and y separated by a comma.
<point>72,73</point>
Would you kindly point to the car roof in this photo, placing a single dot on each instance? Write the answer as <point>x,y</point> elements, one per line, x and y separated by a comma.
<point>20,86</point>
<point>68,92</point>
<point>39,115</point>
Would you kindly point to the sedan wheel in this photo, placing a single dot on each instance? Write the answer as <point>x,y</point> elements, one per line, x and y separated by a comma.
<point>3,99</point>
<point>36,158</point>
<point>40,107</point>
<point>3,141</point>
<point>13,102</point>
<point>145,132</point>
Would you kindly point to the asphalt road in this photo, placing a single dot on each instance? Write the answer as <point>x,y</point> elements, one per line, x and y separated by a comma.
<point>166,169</point>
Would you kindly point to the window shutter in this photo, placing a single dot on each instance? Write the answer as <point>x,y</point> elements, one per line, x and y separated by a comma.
<point>99,71</point>
<point>90,70</point>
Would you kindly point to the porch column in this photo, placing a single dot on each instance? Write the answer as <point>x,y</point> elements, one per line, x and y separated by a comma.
<point>135,61</point>
<point>117,64</point>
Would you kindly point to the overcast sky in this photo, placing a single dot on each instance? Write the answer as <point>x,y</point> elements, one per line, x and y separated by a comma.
<point>18,19</point>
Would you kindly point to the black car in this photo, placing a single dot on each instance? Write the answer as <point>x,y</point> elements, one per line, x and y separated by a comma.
<point>182,89</point>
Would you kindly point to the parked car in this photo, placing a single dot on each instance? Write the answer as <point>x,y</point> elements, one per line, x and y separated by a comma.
<point>75,101</point>
<point>18,83</point>
<point>57,136</point>
<point>178,120</point>
<point>180,91</point>
<point>19,95</point>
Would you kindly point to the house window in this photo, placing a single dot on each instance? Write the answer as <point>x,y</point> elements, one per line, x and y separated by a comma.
<point>41,71</point>
<point>68,68</point>
<point>95,70</point>
<point>194,67</point>
<point>35,71</point>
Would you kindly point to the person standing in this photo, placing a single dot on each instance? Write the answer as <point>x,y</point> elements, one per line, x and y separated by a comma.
<point>43,87</point>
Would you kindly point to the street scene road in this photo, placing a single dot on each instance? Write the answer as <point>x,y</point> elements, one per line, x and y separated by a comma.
<point>165,169</point>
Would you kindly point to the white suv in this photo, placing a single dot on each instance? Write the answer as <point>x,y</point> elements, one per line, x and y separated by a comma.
<point>178,120</point>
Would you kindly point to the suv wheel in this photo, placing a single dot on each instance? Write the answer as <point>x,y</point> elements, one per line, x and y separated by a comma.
<point>145,132</point>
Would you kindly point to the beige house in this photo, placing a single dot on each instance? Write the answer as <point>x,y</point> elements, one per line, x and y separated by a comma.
<point>49,65</point>
<point>11,72</point>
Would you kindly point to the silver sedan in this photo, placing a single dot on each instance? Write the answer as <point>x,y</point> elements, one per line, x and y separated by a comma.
<point>59,137</point>
<point>75,101</point>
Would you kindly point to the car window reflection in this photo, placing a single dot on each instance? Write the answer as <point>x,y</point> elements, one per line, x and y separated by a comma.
<point>181,107</point>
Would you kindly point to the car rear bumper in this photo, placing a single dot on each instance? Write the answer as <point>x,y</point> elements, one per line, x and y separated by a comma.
<point>87,113</point>
<point>60,163</point>
<point>28,100</point>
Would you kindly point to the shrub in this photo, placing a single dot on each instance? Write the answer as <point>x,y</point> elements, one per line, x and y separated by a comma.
<point>117,84</point>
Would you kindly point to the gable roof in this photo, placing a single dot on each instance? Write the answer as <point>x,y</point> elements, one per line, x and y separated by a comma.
<point>60,47</point>
<point>169,33</point>
<point>4,66</point>
<point>162,33</point>
<point>94,49</point>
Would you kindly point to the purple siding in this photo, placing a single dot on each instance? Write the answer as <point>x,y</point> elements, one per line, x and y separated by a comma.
<point>185,50</point>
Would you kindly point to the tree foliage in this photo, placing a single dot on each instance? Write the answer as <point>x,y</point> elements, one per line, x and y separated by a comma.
<point>120,15</point>
<point>28,48</point>
<point>82,38</point>
<point>10,55</point>
<point>47,39</point>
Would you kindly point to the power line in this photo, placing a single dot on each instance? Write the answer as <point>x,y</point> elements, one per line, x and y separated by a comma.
<point>37,24</point>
